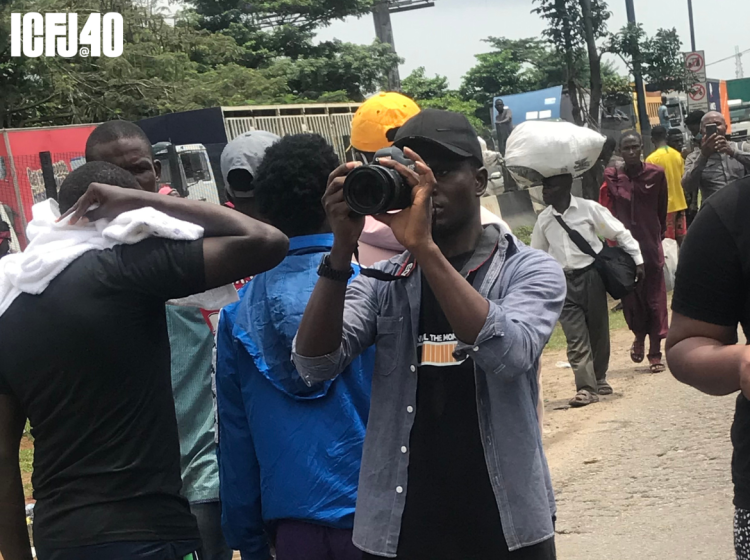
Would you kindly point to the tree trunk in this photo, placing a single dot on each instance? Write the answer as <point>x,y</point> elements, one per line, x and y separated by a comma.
<point>561,9</point>
<point>595,65</point>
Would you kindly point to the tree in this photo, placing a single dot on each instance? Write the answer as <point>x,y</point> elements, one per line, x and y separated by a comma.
<point>171,63</point>
<point>496,74</point>
<point>660,56</point>
<point>542,66</point>
<point>305,15</point>
<point>575,28</point>
<point>418,86</point>
<point>434,93</point>
<point>616,89</point>
<point>356,69</point>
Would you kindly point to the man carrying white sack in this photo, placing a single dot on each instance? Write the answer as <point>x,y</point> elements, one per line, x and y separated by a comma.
<point>87,361</point>
<point>571,150</point>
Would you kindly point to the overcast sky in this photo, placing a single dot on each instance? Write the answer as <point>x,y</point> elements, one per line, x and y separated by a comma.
<point>444,39</point>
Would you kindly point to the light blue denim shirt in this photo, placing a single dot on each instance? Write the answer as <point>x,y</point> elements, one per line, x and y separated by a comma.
<point>526,291</point>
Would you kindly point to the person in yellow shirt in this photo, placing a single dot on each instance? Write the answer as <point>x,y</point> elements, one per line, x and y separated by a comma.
<point>673,164</point>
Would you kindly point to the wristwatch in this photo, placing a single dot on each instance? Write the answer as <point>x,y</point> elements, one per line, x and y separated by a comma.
<point>326,271</point>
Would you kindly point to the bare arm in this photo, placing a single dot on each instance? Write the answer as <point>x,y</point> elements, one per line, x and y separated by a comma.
<point>14,537</point>
<point>705,356</point>
<point>235,245</point>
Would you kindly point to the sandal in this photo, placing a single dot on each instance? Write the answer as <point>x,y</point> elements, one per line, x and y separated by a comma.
<point>638,351</point>
<point>656,366</point>
<point>583,398</point>
<point>604,388</point>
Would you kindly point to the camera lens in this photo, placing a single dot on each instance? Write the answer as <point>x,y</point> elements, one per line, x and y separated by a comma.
<point>368,190</point>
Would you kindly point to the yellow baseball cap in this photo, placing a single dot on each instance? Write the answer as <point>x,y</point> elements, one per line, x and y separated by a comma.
<point>377,116</point>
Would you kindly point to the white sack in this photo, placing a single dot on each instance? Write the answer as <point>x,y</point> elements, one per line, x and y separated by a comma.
<point>539,149</point>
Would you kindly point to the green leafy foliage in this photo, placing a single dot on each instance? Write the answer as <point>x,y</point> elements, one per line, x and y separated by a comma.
<point>660,56</point>
<point>616,89</point>
<point>418,86</point>
<point>575,28</point>
<point>215,54</point>
<point>434,93</point>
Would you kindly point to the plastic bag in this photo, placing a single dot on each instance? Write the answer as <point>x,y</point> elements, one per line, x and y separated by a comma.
<point>539,149</point>
<point>671,256</point>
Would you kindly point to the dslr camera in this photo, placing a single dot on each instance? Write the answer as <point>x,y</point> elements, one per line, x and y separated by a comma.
<point>375,189</point>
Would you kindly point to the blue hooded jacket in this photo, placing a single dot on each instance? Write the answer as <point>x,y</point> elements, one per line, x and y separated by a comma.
<point>286,450</point>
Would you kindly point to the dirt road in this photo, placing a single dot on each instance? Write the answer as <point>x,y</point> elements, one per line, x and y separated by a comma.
<point>643,475</point>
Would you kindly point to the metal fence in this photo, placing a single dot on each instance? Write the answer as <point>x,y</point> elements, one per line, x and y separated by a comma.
<point>22,185</point>
<point>335,127</point>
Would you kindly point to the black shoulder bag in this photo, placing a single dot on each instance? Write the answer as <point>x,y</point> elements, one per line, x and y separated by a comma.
<point>613,264</point>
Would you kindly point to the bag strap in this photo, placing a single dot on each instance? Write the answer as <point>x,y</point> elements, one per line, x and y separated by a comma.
<point>577,238</point>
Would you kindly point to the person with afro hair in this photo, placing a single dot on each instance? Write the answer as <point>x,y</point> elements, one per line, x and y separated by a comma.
<point>289,454</point>
<point>291,181</point>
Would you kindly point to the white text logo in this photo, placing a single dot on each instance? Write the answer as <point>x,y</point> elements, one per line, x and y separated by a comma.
<point>35,35</point>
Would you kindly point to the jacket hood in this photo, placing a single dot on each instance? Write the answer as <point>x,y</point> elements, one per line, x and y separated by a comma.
<point>271,310</point>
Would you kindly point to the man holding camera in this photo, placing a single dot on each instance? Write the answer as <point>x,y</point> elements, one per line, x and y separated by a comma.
<point>453,465</point>
<point>718,162</point>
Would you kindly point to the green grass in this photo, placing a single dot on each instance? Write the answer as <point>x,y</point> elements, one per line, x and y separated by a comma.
<point>524,234</point>
<point>26,460</point>
<point>558,342</point>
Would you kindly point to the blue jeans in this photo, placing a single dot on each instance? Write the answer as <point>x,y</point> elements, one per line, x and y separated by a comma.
<point>208,515</point>
<point>176,550</point>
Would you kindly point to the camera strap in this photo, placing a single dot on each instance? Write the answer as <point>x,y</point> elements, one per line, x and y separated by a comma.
<point>404,272</point>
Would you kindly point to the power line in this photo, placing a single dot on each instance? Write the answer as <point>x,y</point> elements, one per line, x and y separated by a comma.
<point>729,57</point>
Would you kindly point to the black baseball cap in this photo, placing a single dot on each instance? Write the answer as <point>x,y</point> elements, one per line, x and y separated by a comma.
<point>451,131</point>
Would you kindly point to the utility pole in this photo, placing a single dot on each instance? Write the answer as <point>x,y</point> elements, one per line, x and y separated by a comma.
<point>740,70</point>
<point>692,25</point>
<point>381,15</point>
<point>640,90</point>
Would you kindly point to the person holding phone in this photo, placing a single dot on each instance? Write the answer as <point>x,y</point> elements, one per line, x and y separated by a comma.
<point>718,162</point>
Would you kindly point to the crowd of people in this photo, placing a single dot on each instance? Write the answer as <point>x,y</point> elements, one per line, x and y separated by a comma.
<point>286,378</point>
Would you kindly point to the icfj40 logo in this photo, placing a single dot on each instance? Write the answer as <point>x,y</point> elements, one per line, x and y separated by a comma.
<point>57,34</point>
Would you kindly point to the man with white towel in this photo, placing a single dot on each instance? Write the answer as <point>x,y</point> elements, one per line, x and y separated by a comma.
<point>86,359</point>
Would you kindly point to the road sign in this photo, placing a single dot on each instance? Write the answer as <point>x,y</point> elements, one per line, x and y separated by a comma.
<point>698,93</point>
<point>695,62</point>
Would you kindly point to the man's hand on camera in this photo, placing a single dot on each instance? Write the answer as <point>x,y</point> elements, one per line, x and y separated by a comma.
<point>413,225</point>
<point>346,226</point>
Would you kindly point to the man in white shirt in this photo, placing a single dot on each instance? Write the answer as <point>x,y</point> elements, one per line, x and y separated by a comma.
<point>585,317</point>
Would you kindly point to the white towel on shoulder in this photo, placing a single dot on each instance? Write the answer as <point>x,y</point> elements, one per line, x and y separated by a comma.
<point>53,246</point>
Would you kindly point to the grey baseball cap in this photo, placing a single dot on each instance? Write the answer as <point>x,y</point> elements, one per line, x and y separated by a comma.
<point>245,153</point>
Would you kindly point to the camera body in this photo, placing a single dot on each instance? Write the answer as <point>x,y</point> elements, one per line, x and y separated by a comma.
<point>376,189</point>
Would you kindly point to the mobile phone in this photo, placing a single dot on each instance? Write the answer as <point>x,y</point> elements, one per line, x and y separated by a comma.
<point>711,129</point>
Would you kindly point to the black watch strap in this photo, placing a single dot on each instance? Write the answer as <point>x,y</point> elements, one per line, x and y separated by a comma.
<point>326,271</point>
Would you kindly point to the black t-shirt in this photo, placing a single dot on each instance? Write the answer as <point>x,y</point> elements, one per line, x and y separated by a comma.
<point>89,361</point>
<point>713,286</point>
<point>450,511</point>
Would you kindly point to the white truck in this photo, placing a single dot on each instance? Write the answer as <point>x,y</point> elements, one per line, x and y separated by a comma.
<point>739,112</point>
<point>188,170</point>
